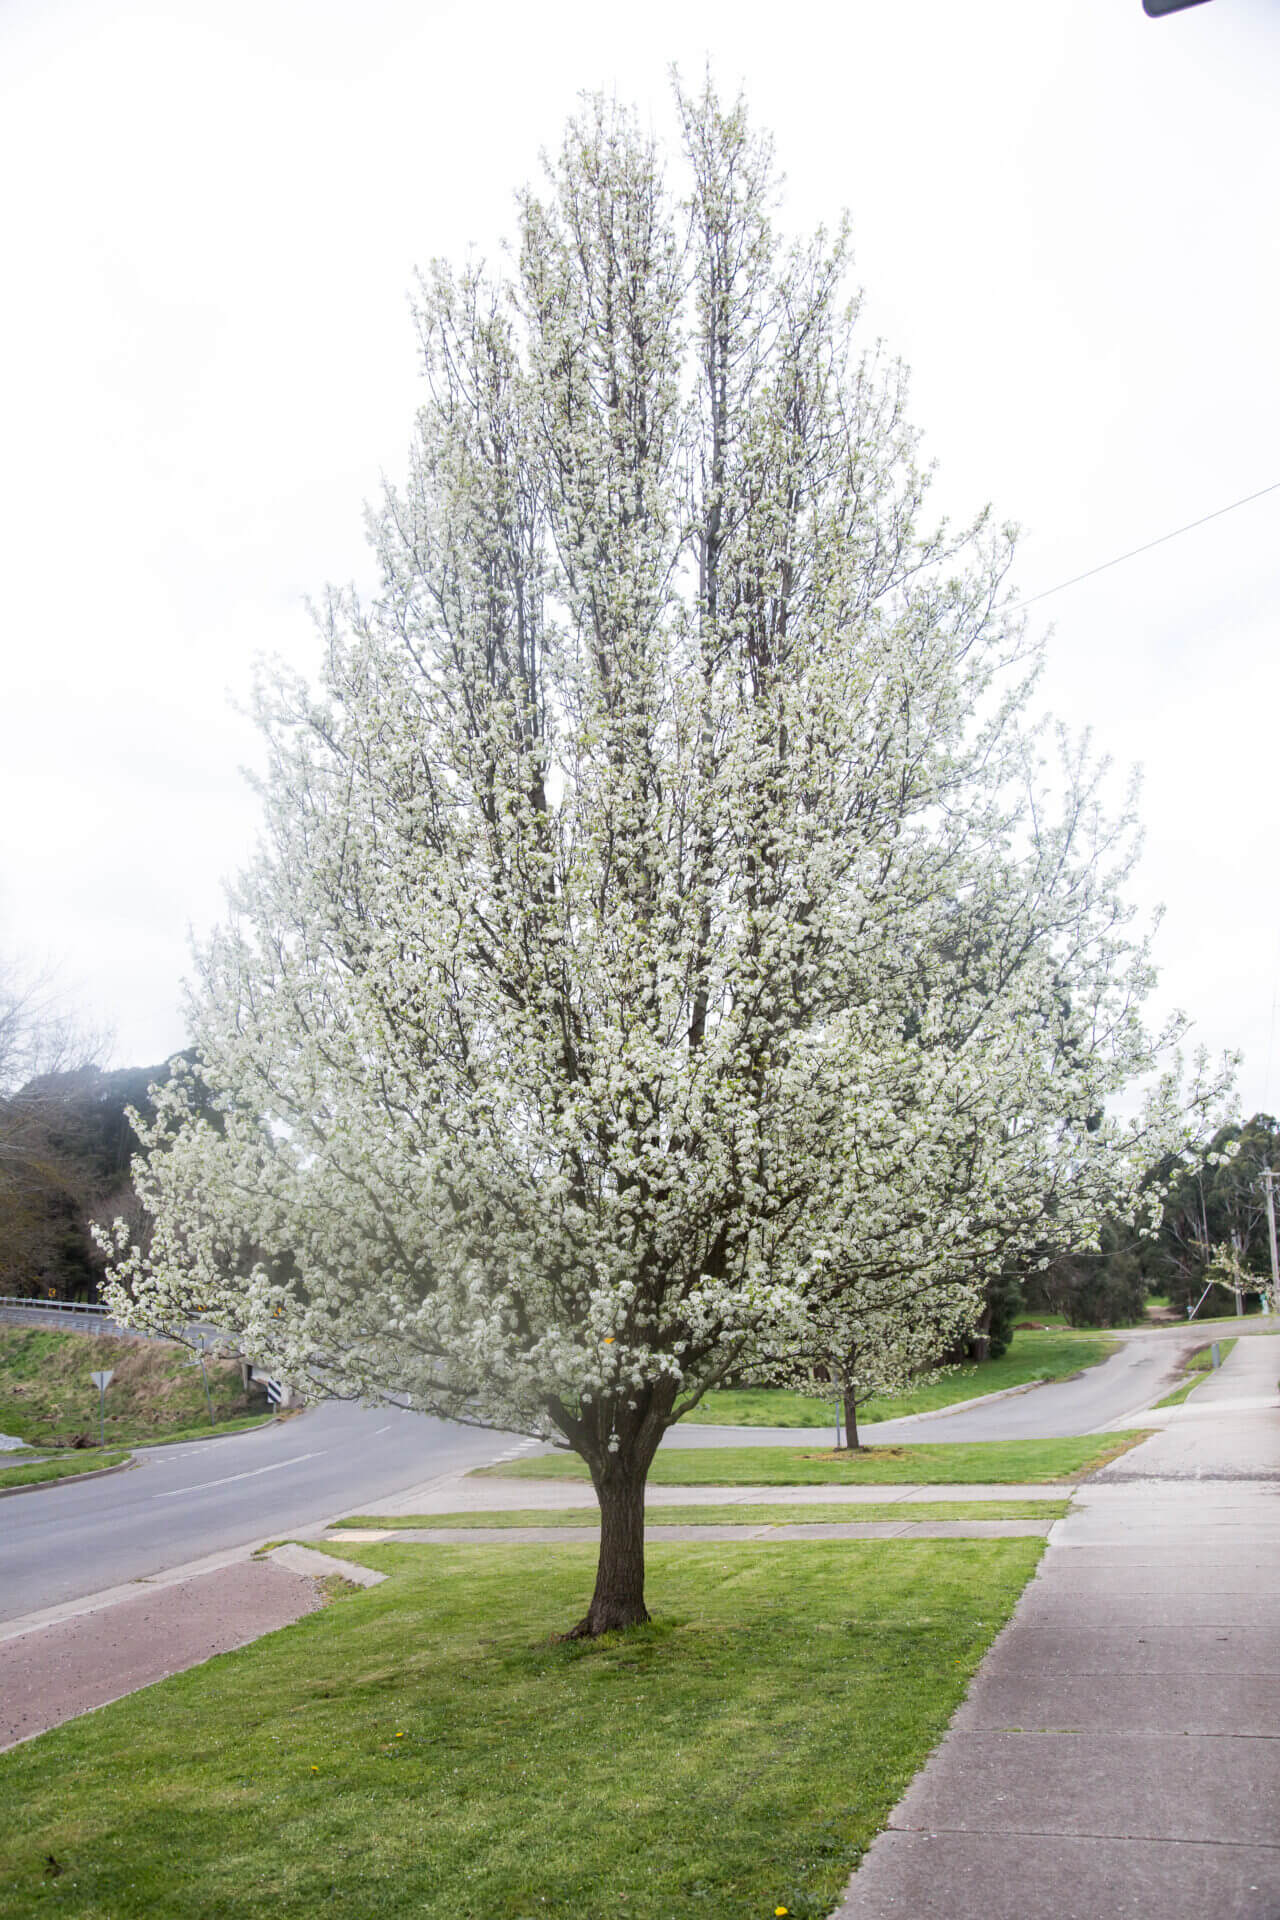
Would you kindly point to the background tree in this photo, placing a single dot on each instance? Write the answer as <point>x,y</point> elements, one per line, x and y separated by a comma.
<point>662,928</point>
<point>1104,1286</point>
<point>69,1146</point>
<point>1215,1210</point>
<point>992,1332</point>
<point>41,1034</point>
<point>875,1337</point>
<point>1210,1214</point>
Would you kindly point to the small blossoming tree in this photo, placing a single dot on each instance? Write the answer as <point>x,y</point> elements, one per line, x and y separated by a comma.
<point>657,892</point>
<point>876,1335</point>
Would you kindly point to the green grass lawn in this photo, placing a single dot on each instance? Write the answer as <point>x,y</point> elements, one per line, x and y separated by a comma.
<point>1198,1366</point>
<point>30,1472</point>
<point>979,1462</point>
<point>747,1513</point>
<point>239,1423</point>
<point>47,1397</point>
<point>427,1747</point>
<point>1032,1356</point>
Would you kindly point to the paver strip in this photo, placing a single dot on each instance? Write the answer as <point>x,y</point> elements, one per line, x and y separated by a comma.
<point>51,1673</point>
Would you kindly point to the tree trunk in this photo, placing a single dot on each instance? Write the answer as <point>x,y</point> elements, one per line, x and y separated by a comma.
<point>618,1600</point>
<point>980,1342</point>
<point>851,1419</point>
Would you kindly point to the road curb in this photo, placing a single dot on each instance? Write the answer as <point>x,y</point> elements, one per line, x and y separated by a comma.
<point>146,1446</point>
<point>68,1480</point>
<point>226,1433</point>
<point>978,1400</point>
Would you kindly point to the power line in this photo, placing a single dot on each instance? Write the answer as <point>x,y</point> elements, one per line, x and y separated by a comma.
<point>1135,551</point>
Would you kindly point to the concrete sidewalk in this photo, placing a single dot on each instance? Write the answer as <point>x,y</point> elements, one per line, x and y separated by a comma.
<point>1118,1752</point>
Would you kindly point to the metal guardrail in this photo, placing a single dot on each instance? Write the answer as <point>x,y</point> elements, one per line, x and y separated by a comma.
<point>77,1316</point>
<point>19,1307</point>
<point>28,1304</point>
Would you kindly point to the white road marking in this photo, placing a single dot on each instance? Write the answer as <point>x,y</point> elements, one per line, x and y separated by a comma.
<point>378,1430</point>
<point>226,1480</point>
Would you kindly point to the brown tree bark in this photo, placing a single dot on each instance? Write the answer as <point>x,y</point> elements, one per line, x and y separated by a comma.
<point>851,1439</point>
<point>618,1600</point>
<point>618,1473</point>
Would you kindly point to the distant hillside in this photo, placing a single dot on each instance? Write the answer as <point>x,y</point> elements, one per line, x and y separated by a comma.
<point>65,1150</point>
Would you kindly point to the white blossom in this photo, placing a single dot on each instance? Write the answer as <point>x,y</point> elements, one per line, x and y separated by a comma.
<point>661,925</point>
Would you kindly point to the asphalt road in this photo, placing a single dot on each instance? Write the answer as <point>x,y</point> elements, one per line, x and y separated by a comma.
<point>1102,1396</point>
<point>182,1502</point>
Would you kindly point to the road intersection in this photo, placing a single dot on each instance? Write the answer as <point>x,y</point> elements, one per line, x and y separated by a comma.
<point>186,1501</point>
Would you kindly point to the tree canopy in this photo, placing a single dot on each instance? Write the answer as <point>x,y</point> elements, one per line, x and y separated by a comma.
<point>667,922</point>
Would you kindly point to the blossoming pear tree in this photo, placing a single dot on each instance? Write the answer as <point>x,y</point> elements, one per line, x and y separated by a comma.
<point>658,935</point>
<point>878,1337</point>
<point>1022,1022</point>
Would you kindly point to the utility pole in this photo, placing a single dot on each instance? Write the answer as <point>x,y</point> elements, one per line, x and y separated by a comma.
<point>1268,1187</point>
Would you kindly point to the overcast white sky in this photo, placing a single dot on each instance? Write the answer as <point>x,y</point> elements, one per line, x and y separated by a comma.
<point>1065,217</point>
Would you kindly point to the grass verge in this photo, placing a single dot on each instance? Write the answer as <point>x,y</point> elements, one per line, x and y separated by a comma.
<point>1032,1357</point>
<point>65,1466</point>
<point>48,1399</point>
<point>976,1462</point>
<point>747,1513</point>
<point>427,1747</point>
<point>1198,1366</point>
<point>240,1424</point>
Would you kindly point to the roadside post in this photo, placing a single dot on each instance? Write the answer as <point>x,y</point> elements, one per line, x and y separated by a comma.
<point>198,1361</point>
<point>102,1381</point>
<point>1215,1354</point>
